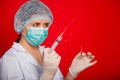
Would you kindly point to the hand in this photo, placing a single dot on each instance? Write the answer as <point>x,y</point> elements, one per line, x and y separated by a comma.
<point>81,62</point>
<point>50,64</point>
<point>50,60</point>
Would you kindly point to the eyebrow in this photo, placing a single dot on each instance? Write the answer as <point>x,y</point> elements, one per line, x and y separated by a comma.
<point>47,23</point>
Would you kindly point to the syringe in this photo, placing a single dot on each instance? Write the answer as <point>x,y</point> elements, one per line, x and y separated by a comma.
<point>81,50</point>
<point>59,38</point>
<point>57,41</point>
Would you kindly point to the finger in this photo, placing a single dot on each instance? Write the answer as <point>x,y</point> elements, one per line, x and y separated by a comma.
<point>46,50</point>
<point>56,55</point>
<point>53,53</point>
<point>59,58</point>
<point>92,57</point>
<point>83,54</point>
<point>78,55</point>
<point>89,54</point>
<point>92,63</point>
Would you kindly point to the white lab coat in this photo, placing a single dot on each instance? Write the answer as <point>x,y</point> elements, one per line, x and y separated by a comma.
<point>18,64</point>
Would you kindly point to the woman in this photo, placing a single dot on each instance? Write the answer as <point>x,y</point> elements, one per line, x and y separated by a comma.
<point>26,60</point>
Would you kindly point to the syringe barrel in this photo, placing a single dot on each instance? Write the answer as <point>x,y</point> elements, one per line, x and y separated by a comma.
<point>55,43</point>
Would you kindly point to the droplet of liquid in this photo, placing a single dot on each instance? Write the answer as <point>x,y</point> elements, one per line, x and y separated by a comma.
<point>65,41</point>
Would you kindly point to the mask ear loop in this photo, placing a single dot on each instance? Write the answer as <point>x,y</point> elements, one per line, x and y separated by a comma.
<point>23,34</point>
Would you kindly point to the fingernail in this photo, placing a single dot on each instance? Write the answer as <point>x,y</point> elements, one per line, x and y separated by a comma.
<point>83,54</point>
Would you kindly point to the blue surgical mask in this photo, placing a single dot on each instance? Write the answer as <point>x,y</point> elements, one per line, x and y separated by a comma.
<point>36,36</point>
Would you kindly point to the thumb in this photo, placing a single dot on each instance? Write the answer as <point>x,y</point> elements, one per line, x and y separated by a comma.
<point>78,55</point>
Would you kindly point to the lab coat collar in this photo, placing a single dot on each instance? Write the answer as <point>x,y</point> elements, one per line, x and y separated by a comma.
<point>29,58</point>
<point>18,47</point>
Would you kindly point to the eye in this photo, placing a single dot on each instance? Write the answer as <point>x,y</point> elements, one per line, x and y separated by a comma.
<point>36,24</point>
<point>46,25</point>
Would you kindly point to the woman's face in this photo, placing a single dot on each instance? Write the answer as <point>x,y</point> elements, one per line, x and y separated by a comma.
<point>36,24</point>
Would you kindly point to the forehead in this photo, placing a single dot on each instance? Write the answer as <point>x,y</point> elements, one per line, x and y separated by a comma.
<point>37,21</point>
<point>40,21</point>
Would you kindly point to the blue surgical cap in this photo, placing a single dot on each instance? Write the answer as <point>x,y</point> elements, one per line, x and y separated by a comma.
<point>29,11</point>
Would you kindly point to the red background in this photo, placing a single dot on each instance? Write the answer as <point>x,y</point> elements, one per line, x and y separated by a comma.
<point>96,28</point>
